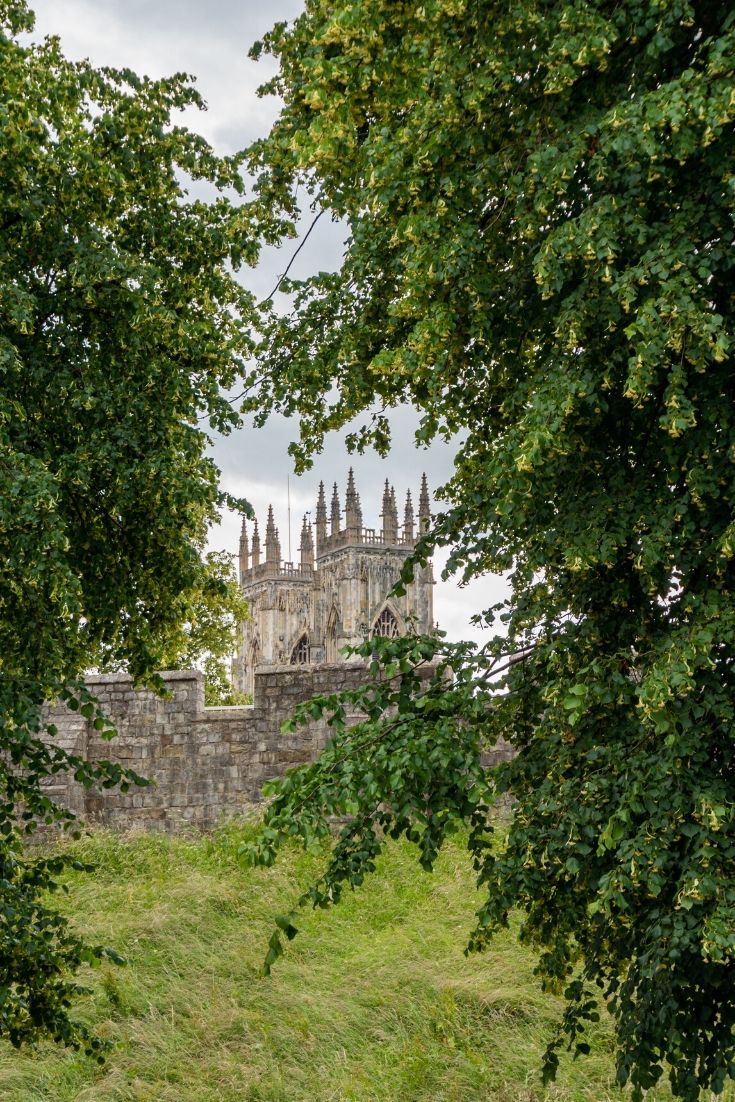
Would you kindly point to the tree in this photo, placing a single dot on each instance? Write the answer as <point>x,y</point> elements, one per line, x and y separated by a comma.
<point>205,636</point>
<point>121,323</point>
<point>539,201</point>
<point>208,637</point>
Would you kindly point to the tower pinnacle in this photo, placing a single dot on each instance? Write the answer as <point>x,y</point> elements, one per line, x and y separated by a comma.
<point>424,505</point>
<point>272,542</point>
<point>335,517</point>
<point>408,520</point>
<point>353,512</point>
<point>307,545</point>
<point>243,548</point>
<point>390,515</point>
<point>321,518</point>
<point>256,545</point>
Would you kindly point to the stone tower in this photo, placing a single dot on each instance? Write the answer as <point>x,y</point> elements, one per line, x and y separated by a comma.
<point>338,592</point>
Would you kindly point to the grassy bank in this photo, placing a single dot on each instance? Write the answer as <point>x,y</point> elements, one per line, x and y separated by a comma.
<point>373,1002</point>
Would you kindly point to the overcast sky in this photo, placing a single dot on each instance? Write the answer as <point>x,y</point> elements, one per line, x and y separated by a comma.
<point>210,41</point>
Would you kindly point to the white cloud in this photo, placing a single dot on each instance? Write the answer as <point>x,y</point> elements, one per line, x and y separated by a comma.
<point>161,37</point>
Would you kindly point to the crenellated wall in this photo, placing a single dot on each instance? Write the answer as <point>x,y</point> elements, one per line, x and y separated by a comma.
<point>207,762</point>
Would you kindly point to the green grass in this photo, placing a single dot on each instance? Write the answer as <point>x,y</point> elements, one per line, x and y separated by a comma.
<point>373,1001</point>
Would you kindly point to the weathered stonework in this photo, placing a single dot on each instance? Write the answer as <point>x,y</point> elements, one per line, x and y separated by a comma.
<point>339,593</point>
<point>208,763</point>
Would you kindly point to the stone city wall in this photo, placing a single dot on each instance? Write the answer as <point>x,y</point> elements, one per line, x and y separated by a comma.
<point>207,763</point>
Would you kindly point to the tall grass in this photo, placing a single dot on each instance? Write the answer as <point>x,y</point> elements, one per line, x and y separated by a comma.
<point>373,1002</point>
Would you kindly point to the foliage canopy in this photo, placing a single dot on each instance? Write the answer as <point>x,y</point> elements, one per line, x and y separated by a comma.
<point>121,322</point>
<point>209,635</point>
<point>539,200</point>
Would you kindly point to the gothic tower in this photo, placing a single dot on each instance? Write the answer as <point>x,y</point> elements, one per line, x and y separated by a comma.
<point>339,593</point>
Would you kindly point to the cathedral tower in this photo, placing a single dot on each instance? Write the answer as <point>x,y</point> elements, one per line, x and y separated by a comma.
<point>339,593</point>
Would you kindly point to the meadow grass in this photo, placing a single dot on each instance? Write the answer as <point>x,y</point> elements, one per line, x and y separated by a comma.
<point>373,1001</point>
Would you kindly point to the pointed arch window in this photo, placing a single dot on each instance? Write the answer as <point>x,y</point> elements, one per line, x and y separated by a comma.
<point>300,653</point>
<point>386,625</point>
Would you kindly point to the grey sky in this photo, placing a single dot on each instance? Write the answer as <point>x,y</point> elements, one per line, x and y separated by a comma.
<point>211,42</point>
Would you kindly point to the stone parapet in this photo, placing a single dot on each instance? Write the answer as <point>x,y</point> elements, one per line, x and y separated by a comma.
<point>206,763</point>
<point>364,537</point>
<point>291,571</point>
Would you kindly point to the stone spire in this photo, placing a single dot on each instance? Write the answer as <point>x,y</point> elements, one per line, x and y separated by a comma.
<point>408,520</point>
<point>335,517</point>
<point>386,507</point>
<point>389,515</point>
<point>321,519</point>
<point>272,543</point>
<point>244,550</point>
<point>353,512</point>
<point>394,512</point>
<point>256,546</point>
<point>424,506</point>
<point>307,545</point>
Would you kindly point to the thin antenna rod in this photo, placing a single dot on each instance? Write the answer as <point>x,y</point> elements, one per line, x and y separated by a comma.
<point>288,496</point>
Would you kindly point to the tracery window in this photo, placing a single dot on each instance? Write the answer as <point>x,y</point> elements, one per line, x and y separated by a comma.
<point>300,653</point>
<point>386,625</point>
